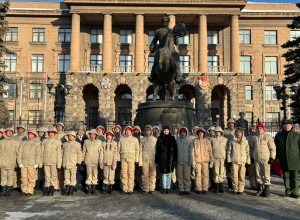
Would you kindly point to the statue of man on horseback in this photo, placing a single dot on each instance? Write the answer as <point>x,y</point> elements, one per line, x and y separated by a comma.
<point>166,72</point>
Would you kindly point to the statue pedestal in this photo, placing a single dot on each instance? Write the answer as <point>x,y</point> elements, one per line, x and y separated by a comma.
<point>162,113</point>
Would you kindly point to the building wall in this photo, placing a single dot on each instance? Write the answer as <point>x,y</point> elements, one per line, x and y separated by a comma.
<point>231,84</point>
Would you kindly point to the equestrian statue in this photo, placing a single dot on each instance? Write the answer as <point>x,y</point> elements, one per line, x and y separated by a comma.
<point>165,73</point>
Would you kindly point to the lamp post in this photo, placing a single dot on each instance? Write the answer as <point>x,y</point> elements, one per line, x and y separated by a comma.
<point>281,94</point>
<point>218,120</point>
<point>60,89</point>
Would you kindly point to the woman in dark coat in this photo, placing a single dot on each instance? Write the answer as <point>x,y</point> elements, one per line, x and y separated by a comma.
<point>166,156</point>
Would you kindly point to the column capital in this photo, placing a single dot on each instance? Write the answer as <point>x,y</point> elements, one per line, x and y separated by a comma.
<point>139,14</point>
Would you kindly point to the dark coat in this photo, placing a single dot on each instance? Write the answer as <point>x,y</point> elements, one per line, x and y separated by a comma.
<point>84,137</point>
<point>288,150</point>
<point>102,122</point>
<point>166,153</point>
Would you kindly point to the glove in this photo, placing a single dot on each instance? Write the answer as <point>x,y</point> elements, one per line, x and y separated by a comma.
<point>247,165</point>
<point>252,160</point>
<point>101,166</point>
<point>194,165</point>
<point>35,166</point>
<point>21,166</point>
<point>271,161</point>
<point>229,164</point>
<point>77,164</point>
<point>211,164</point>
<point>114,165</point>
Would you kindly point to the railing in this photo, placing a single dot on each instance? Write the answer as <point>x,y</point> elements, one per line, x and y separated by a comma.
<point>91,68</point>
<point>218,69</point>
<point>123,69</point>
<point>183,69</point>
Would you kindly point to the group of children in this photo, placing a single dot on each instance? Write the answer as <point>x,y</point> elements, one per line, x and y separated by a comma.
<point>76,158</point>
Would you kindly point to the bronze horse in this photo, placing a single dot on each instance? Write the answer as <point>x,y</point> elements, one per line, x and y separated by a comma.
<point>167,58</point>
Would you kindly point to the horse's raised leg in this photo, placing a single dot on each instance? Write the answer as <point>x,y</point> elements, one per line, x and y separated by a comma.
<point>156,88</point>
<point>172,89</point>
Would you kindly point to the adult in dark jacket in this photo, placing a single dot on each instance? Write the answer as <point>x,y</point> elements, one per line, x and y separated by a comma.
<point>100,120</point>
<point>81,169</point>
<point>288,153</point>
<point>166,156</point>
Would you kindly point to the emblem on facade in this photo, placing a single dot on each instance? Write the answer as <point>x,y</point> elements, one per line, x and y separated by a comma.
<point>203,82</point>
<point>105,83</point>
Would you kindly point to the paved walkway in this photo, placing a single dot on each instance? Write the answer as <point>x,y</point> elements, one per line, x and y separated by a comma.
<point>156,206</point>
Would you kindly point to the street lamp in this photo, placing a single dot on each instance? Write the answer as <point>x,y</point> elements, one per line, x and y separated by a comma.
<point>61,87</point>
<point>281,94</point>
<point>218,120</point>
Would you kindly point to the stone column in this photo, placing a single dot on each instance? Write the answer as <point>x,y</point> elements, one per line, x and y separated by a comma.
<point>139,44</point>
<point>75,43</point>
<point>172,21</point>
<point>202,60</point>
<point>234,36</point>
<point>107,43</point>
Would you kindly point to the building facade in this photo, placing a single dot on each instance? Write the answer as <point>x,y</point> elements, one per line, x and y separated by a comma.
<point>96,55</point>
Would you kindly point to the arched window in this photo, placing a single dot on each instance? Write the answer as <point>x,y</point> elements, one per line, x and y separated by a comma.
<point>125,96</point>
<point>183,96</point>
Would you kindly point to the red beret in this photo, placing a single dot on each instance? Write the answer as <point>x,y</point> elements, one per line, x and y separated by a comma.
<point>184,130</point>
<point>261,126</point>
<point>109,133</point>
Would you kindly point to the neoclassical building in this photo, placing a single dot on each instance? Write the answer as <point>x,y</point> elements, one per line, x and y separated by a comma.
<point>95,54</point>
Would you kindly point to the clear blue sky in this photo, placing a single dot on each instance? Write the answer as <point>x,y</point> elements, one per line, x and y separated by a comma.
<point>273,1</point>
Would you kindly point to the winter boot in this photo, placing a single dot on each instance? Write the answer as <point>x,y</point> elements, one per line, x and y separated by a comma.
<point>51,190</point>
<point>221,189</point>
<point>67,190</point>
<point>88,189</point>
<point>259,189</point>
<point>217,187</point>
<point>46,191</point>
<point>8,190</point>
<point>109,189</point>
<point>104,188</point>
<point>71,190</point>
<point>93,189</point>
<point>267,194</point>
<point>3,192</point>
<point>229,181</point>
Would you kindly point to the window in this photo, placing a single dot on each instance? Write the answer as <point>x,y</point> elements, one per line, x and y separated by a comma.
<point>270,93</point>
<point>93,115</point>
<point>248,92</point>
<point>126,36</point>
<point>294,34</point>
<point>34,117</point>
<point>10,63</point>
<point>213,63</point>
<point>96,36</point>
<point>124,114</point>
<point>271,65</point>
<point>125,64</point>
<point>212,37</point>
<point>270,37</point>
<point>63,63</point>
<point>37,63</point>
<point>12,34</point>
<point>150,63</point>
<point>151,34</point>
<point>185,39</point>
<point>249,116</point>
<point>38,34</point>
<point>185,64</point>
<point>11,92</point>
<point>272,117</point>
<point>125,96</point>
<point>11,115</point>
<point>64,35</point>
<point>245,64</point>
<point>96,62</point>
<point>245,36</point>
<point>36,91</point>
